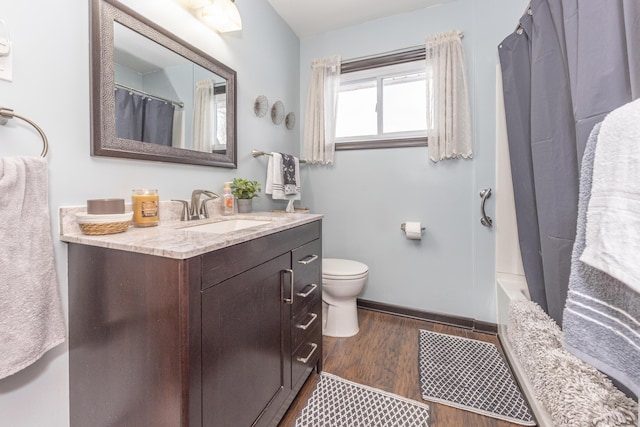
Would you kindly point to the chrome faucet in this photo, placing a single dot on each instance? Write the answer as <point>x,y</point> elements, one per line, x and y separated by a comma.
<point>198,208</point>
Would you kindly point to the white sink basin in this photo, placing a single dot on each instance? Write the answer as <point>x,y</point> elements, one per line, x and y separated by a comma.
<point>226,226</point>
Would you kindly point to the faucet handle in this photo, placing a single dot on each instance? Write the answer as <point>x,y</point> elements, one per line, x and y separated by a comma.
<point>204,213</point>
<point>185,209</point>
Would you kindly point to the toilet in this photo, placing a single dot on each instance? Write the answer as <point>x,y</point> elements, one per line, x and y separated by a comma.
<point>342,282</point>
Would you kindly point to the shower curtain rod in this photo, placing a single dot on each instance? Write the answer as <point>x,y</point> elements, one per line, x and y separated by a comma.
<point>141,92</point>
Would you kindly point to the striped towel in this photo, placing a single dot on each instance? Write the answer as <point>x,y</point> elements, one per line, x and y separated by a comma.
<point>601,319</point>
<point>613,216</point>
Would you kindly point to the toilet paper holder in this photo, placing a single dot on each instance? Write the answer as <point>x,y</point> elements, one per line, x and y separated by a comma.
<point>403,227</point>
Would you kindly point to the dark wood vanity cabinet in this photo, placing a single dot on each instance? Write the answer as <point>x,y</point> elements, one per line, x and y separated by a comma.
<point>227,338</point>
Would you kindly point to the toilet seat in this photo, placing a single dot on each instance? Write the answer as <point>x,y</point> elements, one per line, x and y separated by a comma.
<point>338,278</point>
<point>343,269</point>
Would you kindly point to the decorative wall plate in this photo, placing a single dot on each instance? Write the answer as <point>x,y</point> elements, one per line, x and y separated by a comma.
<point>277,112</point>
<point>290,121</point>
<point>260,106</point>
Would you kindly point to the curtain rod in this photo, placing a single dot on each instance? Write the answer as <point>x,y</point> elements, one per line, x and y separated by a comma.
<point>392,52</point>
<point>141,92</point>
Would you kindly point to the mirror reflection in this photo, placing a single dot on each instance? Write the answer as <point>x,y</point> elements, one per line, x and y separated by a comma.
<point>163,98</point>
<point>156,97</point>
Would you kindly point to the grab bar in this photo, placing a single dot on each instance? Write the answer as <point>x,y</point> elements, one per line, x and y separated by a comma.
<point>485,220</point>
<point>7,113</point>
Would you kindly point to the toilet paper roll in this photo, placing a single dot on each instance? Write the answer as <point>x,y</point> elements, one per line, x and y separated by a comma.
<point>413,230</point>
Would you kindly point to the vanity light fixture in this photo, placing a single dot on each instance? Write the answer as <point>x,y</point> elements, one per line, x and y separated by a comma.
<point>195,4</point>
<point>222,15</point>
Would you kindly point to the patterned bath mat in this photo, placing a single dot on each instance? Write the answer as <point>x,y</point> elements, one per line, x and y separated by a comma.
<point>471,375</point>
<point>336,402</point>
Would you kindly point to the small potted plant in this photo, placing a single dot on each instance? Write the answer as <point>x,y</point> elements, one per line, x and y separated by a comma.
<point>244,190</point>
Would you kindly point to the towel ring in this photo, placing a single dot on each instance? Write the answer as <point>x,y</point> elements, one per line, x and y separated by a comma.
<point>7,113</point>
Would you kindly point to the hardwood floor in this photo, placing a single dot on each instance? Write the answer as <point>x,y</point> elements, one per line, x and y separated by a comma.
<point>384,355</point>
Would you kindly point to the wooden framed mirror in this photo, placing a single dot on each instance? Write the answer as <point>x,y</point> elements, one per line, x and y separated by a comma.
<point>156,97</point>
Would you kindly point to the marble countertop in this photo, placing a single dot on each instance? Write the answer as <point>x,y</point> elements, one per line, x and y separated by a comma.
<point>171,237</point>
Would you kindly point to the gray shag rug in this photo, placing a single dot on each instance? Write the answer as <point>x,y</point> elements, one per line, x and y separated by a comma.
<point>337,402</point>
<point>471,375</point>
<point>574,393</point>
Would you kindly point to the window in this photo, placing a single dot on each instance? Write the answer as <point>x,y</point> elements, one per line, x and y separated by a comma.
<point>382,104</point>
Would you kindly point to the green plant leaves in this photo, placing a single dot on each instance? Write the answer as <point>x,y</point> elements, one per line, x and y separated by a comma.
<point>244,188</point>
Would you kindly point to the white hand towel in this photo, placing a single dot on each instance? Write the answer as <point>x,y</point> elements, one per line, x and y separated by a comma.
<point>275,183</point>
<point>613,216</point>
<point>268,187</point>
<point>31,318</point>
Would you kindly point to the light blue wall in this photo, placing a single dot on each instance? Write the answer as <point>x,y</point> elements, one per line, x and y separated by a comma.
<point>367,194</point>
<point>493,21</point>
<point>176,83</point>
<point>51,86</point>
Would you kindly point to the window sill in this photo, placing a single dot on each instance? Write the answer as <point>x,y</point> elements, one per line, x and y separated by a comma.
<point>387,143</point>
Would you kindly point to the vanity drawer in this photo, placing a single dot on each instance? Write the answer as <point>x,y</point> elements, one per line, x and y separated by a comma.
<point>305,357</point>
<point>303,325</point>
<point>307,267</point>
<point>220,265</point>
<point>305,299</point>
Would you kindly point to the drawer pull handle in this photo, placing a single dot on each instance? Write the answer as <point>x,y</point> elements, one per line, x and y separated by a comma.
<point>313,287</point>
<point>291,282</point>
<point>314,347</point>
<point>306,326</point>
<point>308,260</point>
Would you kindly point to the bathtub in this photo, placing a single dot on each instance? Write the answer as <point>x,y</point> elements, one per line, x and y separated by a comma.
<point>511,287</point>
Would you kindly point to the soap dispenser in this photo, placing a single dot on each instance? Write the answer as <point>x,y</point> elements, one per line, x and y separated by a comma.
<point>227,200</point>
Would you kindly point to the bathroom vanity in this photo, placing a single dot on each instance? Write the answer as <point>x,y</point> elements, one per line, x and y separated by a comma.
<point>185,328</point>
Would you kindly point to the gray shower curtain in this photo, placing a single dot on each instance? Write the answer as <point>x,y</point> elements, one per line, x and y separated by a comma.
<point>143,119</point>
<point>129,114</point>
<point>567,65</point>
<point>158,122</point>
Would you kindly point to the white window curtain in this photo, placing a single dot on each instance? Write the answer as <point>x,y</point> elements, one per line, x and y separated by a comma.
<point>318,143</point>
<point>448,101</point>
<point>178,138</point>
<point>221,122</point>
<point>203,117</point>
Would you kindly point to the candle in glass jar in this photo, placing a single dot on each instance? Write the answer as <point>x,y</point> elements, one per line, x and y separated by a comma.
<point>145,208</point>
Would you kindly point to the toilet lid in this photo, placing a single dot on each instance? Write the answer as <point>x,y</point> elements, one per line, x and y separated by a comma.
<point>343,268</point>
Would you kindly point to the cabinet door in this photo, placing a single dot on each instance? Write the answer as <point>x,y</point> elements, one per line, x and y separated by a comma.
<point>244,368</point>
